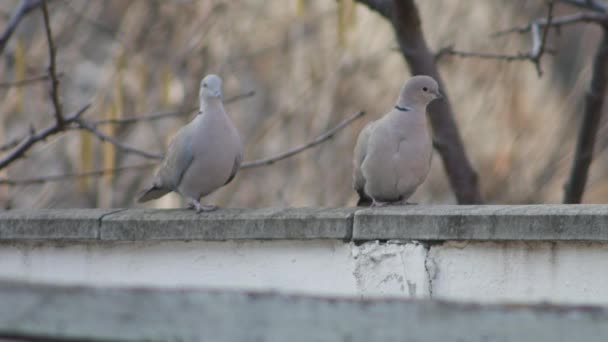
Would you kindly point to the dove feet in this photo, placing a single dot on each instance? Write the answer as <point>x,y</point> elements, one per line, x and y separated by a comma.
<point>194,204</point>
<point>378,204</point>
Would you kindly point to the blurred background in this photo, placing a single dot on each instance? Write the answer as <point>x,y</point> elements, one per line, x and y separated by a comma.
<point>311,64</point>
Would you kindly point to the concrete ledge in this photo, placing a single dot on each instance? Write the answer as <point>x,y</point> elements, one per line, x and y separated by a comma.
<point>228,224</point>
<point>423,223</point>
<point>48,224</point>
<point>79,313</point>
<point>484,223</point>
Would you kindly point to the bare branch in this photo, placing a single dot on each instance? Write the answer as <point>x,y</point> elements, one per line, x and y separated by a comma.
<point>318,140</point>
<point>35,137</point>
<point>449,50</point>
<point>26,82</point>
<point>158,116</point>
<point>594,101</point>
<point>10,144</point>
<point>538,47</point>
<point>537,51</point>
<point>57,178</point>
<point>150,117</point>
<point>594,5</point>
<point>54,92</point>
<point>382,7</point>
<point>558,22</point>
<point>24,8</point>
<point>82,124</point>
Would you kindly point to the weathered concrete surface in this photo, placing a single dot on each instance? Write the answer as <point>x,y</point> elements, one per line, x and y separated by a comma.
<point>34,311</point>
<point>484,253</point>
<point>228,224</point>
<point>422,223</point>
<point>489,222</point>
<point>49,224</point>
<point>308,266</point>
<point>567,272</point>
<point>391,269</point>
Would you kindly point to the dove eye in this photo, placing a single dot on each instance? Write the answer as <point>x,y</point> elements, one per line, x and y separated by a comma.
<point>425,89</point>
<point>204,85</point>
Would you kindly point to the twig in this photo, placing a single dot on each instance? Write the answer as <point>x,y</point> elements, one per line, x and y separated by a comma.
<point>594,100</point>
<point>383,7</point>
<point>539,42</point>
<point>26,81</point>
<point>538,47</point>
<point>54,92</point>
<point>150,117</point>
<point>594,5</point>
<point>35,137</point>
<point>57,178</point>
<point>82,124</point>
<point>558,22</point>
<point>318,140</point>
<point>449,50</point>
<point>98,25</point>
<point>11,144</point>
<point>24,7</point>
<point>158,116</point>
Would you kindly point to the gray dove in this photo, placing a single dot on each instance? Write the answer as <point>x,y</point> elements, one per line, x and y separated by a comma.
<point>203,156</point>
<point>393,154</point>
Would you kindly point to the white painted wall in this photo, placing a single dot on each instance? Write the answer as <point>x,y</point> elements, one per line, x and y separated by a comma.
<point>479,271</point>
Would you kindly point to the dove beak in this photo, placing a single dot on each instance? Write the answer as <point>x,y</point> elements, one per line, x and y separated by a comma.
<point>438,94</point>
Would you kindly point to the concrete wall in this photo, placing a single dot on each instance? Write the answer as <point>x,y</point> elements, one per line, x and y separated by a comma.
<point>485,253</point>
<point>52,313</point>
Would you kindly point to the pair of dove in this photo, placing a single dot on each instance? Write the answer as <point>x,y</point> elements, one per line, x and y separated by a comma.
<point>392,156</point>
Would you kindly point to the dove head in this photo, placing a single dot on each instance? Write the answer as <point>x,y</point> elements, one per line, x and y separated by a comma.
<point>211,88</point>
<point>419,91</point>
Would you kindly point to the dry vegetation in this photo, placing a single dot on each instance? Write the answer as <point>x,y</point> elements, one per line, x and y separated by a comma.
<point>311,66</point>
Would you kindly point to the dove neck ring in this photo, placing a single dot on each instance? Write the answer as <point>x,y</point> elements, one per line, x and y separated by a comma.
<point>402,109</point>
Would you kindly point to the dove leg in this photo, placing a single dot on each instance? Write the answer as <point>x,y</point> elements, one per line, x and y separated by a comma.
<point>404,202</point>
<point>196,204</point>
<point>377,204</point>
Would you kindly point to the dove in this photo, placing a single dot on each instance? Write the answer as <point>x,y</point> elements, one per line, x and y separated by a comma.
<point>203,156</point>
<point>392,156</point>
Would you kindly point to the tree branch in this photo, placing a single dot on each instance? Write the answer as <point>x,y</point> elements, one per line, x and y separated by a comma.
<point>594,5</point>
<point>318,140</point>
<point>26,82</point>
<point>57,178</point>
<point>405,18</point>
<point>35,137</point>
<point>54,92</point>
<point>82,124</point>
<point>24,8</point>
<point>382,7</point>
<point>594,101</point>
<point>158,116</point>
<point>558,22</point>
<point>539,41</point>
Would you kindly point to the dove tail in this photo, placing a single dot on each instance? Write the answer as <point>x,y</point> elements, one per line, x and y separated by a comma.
<point>151,193</point>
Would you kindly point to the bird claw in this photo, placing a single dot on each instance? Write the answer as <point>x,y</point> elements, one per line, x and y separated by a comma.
<point>376,204</point>
<point>193,204</point>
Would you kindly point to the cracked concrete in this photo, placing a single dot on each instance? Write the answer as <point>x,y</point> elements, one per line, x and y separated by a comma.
<point>390,269</point>
<point>482,253</point>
